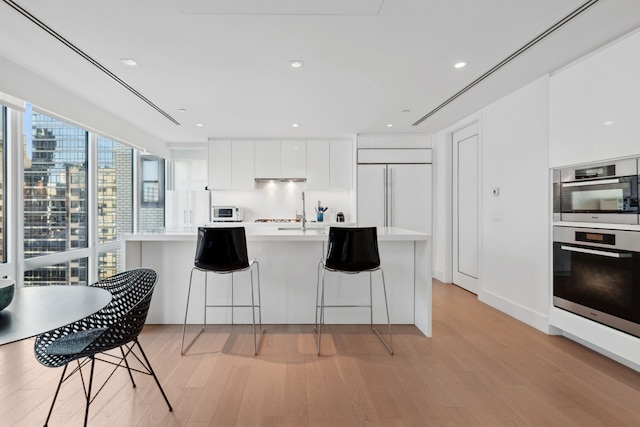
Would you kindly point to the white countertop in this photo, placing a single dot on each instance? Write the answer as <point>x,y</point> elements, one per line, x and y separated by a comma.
<point>280,232</point>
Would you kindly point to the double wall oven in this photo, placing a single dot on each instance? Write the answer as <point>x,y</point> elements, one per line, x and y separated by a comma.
<point>603,193</point>
<point>596,274</point>
<point>596,266</point>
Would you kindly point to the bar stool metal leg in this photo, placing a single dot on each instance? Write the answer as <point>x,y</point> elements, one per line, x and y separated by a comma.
<point>184,349</point>
<point>388,345</point>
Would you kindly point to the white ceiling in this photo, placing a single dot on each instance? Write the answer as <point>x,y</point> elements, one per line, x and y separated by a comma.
<point>366,62</point>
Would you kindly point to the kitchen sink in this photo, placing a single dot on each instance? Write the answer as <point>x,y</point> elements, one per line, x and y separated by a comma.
<point>298,227</point>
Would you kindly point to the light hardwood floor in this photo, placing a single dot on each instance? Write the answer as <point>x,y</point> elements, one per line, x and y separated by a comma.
<point>480,368</point>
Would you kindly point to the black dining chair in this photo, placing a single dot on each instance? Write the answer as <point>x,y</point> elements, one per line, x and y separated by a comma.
<point>223,250</point>
<point>115,327</point>
<point>350,250</point>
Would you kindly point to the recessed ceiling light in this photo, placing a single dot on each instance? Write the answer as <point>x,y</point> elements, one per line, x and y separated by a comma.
<point>389,125</point>
<point>608,123</point>
<point>181,110</point>
<point>129,62</point>
<point>295,125</point>
<point>199,125</point>
<point>405,111</point>
<point>460,64</point>
<point>296,63</point>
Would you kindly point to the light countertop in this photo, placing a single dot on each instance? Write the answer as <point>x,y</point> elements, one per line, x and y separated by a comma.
<point>280,232</point>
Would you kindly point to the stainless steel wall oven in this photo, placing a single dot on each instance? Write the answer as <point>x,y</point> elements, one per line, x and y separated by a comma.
<point>600,193</point>
<point>596,274</point>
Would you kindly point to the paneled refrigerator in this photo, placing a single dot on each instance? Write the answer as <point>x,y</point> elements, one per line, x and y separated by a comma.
<point>395,195</point>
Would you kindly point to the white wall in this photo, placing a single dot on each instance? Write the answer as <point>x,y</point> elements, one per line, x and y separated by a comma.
<point>514,271</point>
<point>282,200</point>
<point>514,231</point>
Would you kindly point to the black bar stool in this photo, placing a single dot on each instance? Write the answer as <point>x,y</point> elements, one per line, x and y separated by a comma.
<point>224,251</point>
<point>351,250</point>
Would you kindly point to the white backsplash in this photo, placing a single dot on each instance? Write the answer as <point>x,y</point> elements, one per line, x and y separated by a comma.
<point>284,199</point>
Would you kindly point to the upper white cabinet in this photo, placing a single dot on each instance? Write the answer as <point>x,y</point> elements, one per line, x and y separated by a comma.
<point>329,164</point>
<point>280,159</point>
<point>267,161</point>
<point>293,159</point>
<point>187,169</point>
<point>231,165</point>
<point>594,106</point>
<point>318,155</point>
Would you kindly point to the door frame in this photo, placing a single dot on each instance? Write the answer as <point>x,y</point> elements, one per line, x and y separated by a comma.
<point>466,130</point>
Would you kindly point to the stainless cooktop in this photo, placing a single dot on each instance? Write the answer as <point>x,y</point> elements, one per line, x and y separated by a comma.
<point>277,220</point>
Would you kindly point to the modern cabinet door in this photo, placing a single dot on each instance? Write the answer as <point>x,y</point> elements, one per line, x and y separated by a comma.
<point>186,209</point>
<point>242,165</point>
<point>372,195</point>
<point>231,165</point>
<point>318,165</point>
<point>267,159</point>
<point>409,196</point>
<point>395,195</point>
<point>280,159</point>
<point>219,165</point>
<point>329,165</point>
<point>341,165</point>
<point>293,159</point>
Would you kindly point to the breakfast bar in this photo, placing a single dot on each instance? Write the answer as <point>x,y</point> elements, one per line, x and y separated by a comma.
<point>288,258</point>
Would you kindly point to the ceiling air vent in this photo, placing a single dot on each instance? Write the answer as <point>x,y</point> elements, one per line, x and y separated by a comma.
<point>510,58</point>
<point>86,57</point>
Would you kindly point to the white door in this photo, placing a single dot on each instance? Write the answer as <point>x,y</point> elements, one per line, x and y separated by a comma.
<point>409,197</point>
<point>371,195</point>
<point>465,208</point>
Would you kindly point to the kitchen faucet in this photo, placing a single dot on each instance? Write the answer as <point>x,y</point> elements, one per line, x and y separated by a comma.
<point>304,215</point>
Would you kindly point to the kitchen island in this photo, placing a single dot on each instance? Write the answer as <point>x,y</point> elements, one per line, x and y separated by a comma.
<point>288,259</point>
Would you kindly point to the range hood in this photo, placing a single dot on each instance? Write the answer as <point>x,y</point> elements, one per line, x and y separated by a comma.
<point>281,179</point>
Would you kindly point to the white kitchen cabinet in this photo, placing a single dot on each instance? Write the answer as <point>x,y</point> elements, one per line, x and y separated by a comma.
<point>329,165</point>
<point>187,168</point>
<point>267,159</point>
<point>242,165</point>
<point>231,165</point>
<point>185,209</point>
<point>293,159</point>
<point>219,165</point>
<point>341,164</point>
<point>395,195</point>
<point>280,159</point>
<point>318,157</point>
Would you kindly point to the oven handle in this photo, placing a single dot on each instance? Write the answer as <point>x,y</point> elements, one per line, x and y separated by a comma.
<point>598,182</point>
<point>596,252</point>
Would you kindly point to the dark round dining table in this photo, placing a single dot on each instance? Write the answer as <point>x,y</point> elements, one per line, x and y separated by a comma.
<point>38,309</point>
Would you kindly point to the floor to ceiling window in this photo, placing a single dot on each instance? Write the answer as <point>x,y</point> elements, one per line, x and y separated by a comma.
<point>115,200</point>
<point>3,180</point>
<point>55,199</point>
<point>67,195</point>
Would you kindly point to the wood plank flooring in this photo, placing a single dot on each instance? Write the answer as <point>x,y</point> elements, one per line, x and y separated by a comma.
<point>480,368</point>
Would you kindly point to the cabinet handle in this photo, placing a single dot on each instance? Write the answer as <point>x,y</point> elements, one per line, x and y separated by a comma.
<point>587,183</point>
<point>385,195</point>
<point>595,252</point>
<point>390,223</point>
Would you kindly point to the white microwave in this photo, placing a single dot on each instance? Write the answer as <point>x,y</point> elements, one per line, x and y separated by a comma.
<point>226,213</point>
